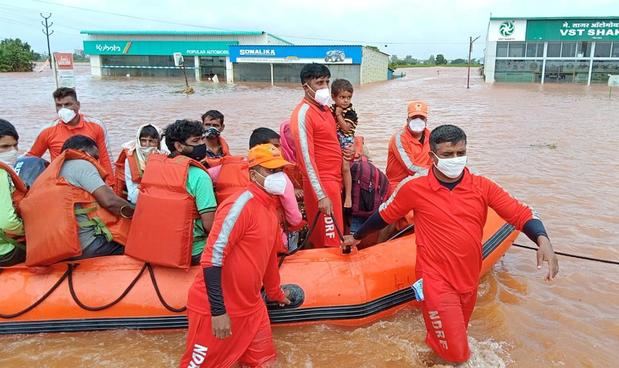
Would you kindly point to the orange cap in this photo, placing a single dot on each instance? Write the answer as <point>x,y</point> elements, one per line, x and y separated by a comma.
<point>266,155</point>
<point>417,108</point>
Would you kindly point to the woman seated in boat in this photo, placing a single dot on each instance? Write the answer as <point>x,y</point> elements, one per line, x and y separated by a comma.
<point>12,190</point>
<point>82,216</point>
<point>132,161</point>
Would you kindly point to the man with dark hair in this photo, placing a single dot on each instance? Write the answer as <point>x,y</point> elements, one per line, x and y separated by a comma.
<point>71,122</point>
<point>319,155</point>
<point>263,136</point>
<point>12,190</point>
<point>450,207</point>
<point>175,183</point>
<point>81,220</point>
<point>240,258</point>
<point>216,145</point>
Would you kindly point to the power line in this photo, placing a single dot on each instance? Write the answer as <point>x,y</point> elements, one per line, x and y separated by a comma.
<point>163,21</point>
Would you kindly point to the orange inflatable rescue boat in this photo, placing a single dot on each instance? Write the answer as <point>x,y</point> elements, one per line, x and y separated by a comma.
<point>119,292</point>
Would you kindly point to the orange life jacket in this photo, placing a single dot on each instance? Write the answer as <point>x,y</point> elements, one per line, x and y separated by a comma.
<point>48,211</point>
<point>233,176</point>
<point>120,188</point>
<point>225,151</point>
<point>162,228</point>
<point>17,195</point>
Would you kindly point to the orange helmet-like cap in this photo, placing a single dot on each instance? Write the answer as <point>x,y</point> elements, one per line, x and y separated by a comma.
<point>417,108</point>
<point>266,155</point>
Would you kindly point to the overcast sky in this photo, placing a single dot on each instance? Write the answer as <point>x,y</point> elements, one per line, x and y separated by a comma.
<point>400,27</point>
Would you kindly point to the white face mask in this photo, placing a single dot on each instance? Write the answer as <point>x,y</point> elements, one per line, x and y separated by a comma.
<point>9,157</point>
<point>275,183</point>
<point>322,96</point>
<point>66,115</point>
<point>417,125</point>
<point>147,150</point>
<point>451,167</point>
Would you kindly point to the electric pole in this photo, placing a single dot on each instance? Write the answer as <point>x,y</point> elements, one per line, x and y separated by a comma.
<point>47,33</point>
<point>468,73</point>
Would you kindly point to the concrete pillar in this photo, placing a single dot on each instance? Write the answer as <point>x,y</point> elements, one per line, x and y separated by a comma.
<point>544,62</point>
<point>591,63</point>
<point>197,71</point>
<point>272,82</point>
<point>95,66</point>
<point>229,71</point>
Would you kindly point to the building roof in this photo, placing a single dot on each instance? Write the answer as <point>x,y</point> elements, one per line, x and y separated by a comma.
<point>177,33</point>
<point>603,17</point>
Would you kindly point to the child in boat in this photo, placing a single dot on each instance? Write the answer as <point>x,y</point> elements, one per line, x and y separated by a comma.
<point>346,120</point>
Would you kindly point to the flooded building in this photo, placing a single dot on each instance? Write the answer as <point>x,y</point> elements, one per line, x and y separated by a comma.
<point>150,53</point>
<point>581,50</point>
<point>231,56</point>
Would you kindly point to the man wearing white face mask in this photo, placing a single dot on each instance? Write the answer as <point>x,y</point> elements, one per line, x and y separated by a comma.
<point>409,147</point>
<point>450,206</point>
<point>70,123</point>
<point>319,155</point>
<point>12,189</point>
<point>236,329</point>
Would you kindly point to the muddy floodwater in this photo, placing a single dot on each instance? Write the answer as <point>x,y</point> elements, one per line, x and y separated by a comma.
<point>554,147</point>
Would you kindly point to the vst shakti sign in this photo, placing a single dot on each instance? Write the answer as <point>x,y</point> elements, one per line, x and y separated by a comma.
<point>573,29</point>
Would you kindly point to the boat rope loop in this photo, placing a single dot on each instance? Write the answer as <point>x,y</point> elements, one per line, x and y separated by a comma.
<point>151,272</point>
<point>41,299</point>
<point>105,306</point>
<point>571,255</point>
<point>68,274</point>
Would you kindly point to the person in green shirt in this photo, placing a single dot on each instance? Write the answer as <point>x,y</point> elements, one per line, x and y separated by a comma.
<point>186,137</point>
<point>12,251</point>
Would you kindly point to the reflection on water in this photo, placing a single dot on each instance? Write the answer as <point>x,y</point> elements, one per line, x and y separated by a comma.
<point>551,146</point>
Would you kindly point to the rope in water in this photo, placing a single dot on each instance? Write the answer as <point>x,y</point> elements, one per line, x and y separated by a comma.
<point>571,255</point>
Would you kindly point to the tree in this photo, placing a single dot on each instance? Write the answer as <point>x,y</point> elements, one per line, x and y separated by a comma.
<point>440,59</point>
<point>15,56</point>
<point>431,60</point>
<point>458,61</point>
<point>409,60</point>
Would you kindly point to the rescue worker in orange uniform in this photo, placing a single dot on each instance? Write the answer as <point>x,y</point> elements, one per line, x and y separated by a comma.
<point>179,185</point>
<point>82,216</point>
<point>450,206</point>
<point>216,145</point>
<point>409,147</point>
<point>228,319</point>
<point>319,156</point>
<point>70,123</point>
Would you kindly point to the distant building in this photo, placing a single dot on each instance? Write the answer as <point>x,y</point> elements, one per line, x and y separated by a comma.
<point>232,56</point>
<point>581,50</point>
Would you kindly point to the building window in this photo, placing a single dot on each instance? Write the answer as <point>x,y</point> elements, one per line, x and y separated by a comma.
<point>583,49</point>
<point>535,49</point>
<point>501,49</point>
<point>516,49</point>
<point>602,49</point>
<point>601,70</point>
<point>567,71</point>
<point>568,49</point>
<point>554,49</point>
<point>615,49</point>
<point>527,71</point>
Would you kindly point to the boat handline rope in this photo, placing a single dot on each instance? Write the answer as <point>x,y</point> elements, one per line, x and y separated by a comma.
<point>571,255</point>
<point>151,272</point>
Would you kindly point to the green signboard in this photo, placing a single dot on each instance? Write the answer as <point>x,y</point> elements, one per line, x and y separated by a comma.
<point>187,48</point>
<point>573,30</point>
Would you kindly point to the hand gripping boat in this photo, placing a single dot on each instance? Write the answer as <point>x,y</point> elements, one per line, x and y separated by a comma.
<point>119,292</point>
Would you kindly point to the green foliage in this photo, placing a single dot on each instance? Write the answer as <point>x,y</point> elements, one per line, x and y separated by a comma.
<point>15,56</point>
<point>431,60</point>
<point>458,61</point>
<point>440,59</point>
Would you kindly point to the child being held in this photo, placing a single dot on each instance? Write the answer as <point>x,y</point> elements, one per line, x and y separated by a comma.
<point>346,120</point>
